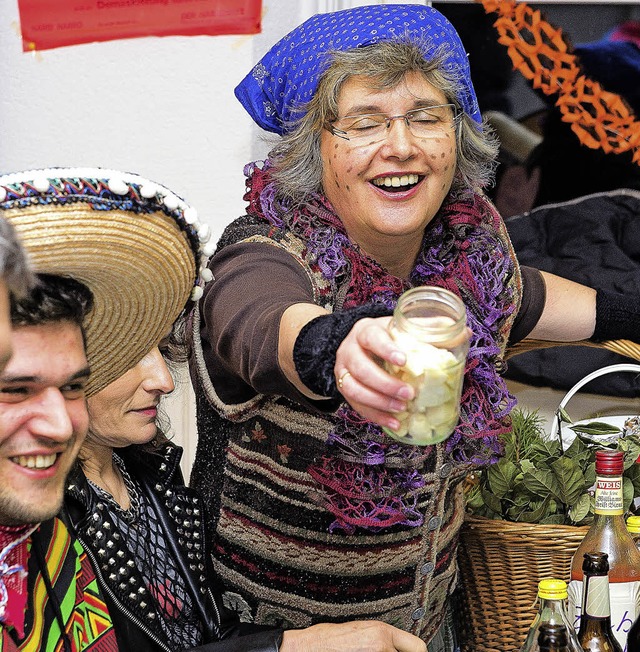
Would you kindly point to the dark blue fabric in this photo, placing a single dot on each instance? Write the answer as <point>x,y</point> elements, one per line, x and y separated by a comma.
<point>615,65</point>
<point>286,78</point>
<point>594,240</point>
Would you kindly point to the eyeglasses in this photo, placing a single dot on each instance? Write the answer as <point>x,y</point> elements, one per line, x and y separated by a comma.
<point>428,122</point>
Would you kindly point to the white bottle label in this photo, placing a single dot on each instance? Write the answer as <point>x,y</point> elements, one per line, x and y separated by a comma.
<point>609,497</point>
<point>625,605</point>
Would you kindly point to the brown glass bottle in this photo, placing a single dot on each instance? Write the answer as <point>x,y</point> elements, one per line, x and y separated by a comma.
<point>552,638</point>
<point>595,632</point>
<point>633,639</point>
<point>609,534</point>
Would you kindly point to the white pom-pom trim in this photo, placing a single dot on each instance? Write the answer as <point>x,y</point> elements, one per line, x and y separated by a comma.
<point>204,233</point>
<point>208,248</point>
<point>118,186</point>
<point>41,184</point>
<point>148,190</point>
<point>171,202</point>
<point>190,215</point>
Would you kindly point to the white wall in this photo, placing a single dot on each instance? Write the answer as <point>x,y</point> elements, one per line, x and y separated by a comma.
<point>161,107</point>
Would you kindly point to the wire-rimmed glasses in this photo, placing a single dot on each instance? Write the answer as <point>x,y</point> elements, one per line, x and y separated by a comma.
<point>426,122</point>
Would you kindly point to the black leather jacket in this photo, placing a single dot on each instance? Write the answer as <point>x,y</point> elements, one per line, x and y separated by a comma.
<point>180,511</point>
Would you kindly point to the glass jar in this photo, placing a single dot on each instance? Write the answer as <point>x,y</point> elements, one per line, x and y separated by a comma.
<point>429,325</point>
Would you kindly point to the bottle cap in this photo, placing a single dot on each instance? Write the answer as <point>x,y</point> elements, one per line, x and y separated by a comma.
<point>633,524</point>
<point>610,462</point>
<point>551,589</point>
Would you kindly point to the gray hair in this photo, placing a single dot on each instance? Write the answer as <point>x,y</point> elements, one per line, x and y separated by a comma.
<point>296,157</point>
<point>14,265</point>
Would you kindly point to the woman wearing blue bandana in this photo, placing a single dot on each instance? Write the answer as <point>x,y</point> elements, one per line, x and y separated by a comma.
<point>374,187</point>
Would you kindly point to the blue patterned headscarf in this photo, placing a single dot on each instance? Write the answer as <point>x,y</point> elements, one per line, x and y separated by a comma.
<point>286,78</point>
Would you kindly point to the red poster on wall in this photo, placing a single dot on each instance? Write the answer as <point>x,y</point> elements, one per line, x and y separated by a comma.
<point>50,24</point>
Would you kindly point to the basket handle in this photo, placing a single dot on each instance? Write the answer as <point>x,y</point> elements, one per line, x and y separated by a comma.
<point>614,368</point>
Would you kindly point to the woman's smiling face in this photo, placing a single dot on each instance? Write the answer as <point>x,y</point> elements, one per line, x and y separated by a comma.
<point>377,215</point>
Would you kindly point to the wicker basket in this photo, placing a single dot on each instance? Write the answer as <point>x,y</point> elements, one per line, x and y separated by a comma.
<point>501,564</point>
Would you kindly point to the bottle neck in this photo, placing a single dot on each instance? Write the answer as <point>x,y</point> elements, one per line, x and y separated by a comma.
<point>595,598</point>
<point>553,637</point>
<point>609,500</point>
<point>551,604</point>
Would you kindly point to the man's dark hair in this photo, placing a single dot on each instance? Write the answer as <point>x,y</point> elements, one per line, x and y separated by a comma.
<point>53,299</point>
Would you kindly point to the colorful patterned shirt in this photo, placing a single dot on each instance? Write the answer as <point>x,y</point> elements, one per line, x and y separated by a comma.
<point>66,593</point>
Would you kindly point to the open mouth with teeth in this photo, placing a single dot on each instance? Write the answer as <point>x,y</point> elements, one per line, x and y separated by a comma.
<point>397,183</point>
<point>35,461</point>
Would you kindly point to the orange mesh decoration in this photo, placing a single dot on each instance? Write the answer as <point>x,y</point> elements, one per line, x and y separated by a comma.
<point>540,52</point>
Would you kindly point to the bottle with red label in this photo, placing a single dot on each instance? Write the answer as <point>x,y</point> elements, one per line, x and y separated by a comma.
<point>609,534</point>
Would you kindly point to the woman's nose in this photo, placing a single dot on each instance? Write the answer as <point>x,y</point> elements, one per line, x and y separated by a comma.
<point>157,375</point>
<point>399,142</point>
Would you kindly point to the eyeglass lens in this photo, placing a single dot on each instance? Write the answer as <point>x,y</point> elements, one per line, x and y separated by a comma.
<point>428,122</point>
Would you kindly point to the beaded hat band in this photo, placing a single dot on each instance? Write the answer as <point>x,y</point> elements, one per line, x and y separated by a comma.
<point>136,245</point>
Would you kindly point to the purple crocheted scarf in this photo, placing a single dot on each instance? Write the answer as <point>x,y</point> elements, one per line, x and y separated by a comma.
<point>368,479</point>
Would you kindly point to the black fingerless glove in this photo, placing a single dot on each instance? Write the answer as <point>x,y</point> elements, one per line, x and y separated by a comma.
<point>314,351</point>
<point>617,317</point>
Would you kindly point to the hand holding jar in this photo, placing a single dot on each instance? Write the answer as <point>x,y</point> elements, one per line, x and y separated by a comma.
<point>429,325</point>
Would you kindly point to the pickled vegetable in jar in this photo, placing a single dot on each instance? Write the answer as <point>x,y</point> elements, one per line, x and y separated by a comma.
<point>429,325</point>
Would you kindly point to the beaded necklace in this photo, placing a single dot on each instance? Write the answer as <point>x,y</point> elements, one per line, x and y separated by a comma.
<point>13,573</point>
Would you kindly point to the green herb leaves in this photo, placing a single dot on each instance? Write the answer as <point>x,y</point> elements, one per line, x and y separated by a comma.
<point>537,481</point>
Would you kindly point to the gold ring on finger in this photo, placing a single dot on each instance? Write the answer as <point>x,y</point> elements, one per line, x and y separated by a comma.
<point>343,375</point>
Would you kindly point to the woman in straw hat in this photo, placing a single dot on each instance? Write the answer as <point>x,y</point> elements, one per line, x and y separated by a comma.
<point>137,248</point>
<point>132,242</point>
<point>117,258</point>
<point>374,187</point>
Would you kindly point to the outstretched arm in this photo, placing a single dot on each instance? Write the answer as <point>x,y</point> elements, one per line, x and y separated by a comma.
<point>574,312</point>
<point>569,312</point>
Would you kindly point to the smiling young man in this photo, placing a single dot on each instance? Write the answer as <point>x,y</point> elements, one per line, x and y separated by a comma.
<point>42,399</point>
<point>91,316</point>
<point>47,582</point>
